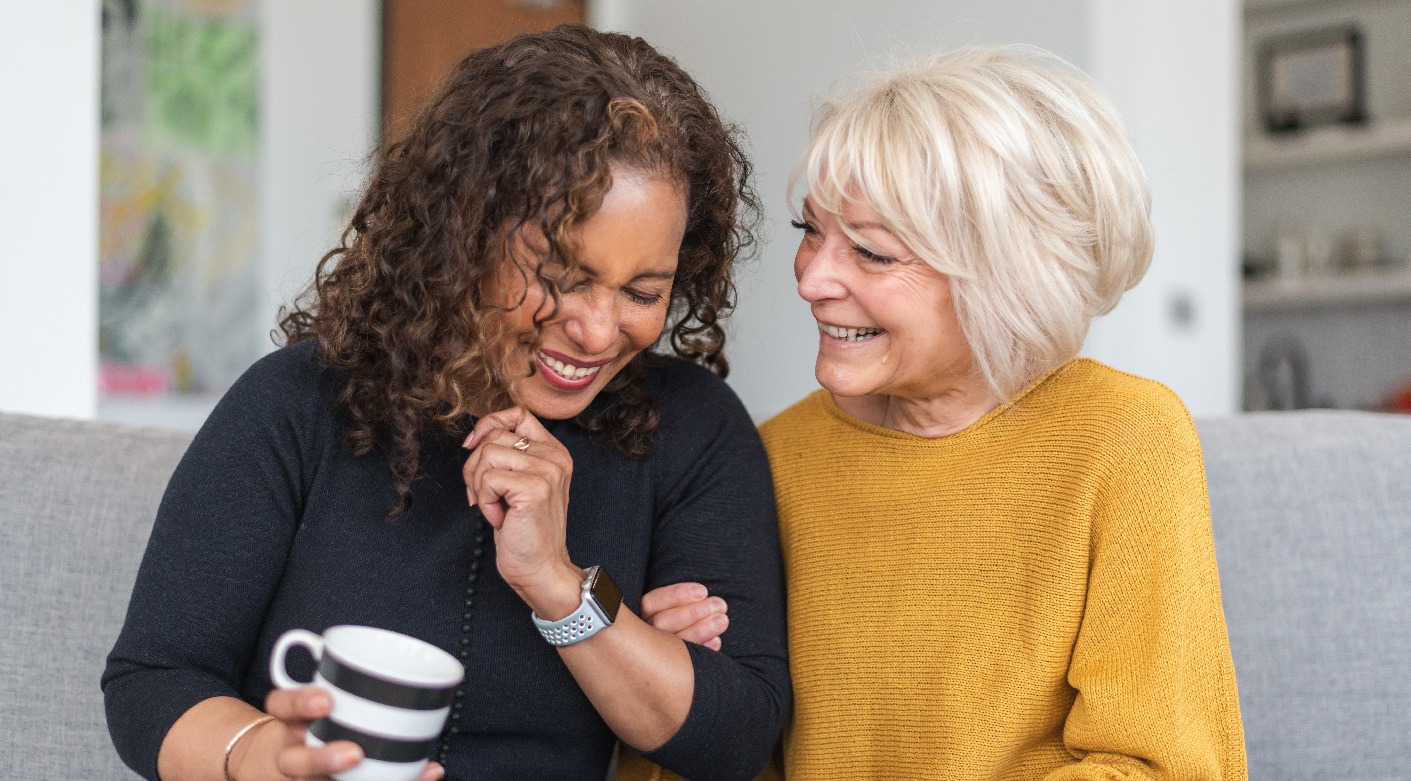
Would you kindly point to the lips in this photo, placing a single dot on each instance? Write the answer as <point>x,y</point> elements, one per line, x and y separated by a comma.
<point>566,372</point>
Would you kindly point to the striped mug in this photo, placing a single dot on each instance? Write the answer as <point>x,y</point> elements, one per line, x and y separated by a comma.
<point>391,695</point>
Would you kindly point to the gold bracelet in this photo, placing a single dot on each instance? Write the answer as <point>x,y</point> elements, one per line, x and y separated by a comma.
<point>229,747</point>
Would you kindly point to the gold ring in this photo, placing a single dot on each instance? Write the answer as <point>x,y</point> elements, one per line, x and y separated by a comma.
<point>522,444</point>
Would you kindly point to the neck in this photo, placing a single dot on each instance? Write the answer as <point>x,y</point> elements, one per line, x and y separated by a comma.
<point>932,417</point>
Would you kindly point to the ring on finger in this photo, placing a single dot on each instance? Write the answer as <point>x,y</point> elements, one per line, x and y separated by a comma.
<point>522,444</point>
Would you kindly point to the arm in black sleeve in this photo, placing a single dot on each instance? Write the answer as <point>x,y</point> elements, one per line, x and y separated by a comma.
<point>716,525</point>
<point>215,556</point>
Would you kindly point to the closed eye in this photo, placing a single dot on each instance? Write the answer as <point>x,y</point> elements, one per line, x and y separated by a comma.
<point>871,256</point>
<point>645,299</point>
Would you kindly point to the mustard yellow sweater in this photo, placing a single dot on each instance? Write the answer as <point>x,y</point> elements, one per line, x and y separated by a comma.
<point>1034,597</point>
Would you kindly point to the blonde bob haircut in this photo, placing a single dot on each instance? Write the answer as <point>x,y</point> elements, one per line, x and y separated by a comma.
<point>1009,172</point>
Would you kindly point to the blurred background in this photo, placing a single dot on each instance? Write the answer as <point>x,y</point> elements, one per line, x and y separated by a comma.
<point>174,169</point>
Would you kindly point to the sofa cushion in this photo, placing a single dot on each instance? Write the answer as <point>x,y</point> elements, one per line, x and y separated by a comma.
<point>1312,521</point>
<point>77,501</point>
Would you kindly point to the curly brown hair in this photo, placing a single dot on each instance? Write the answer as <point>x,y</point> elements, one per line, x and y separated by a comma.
<point>522,135</point>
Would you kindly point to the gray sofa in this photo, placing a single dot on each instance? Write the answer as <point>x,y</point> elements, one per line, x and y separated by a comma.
<point>1312,515</point>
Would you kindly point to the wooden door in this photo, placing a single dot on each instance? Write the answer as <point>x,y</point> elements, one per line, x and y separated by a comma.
<point>423,39</point>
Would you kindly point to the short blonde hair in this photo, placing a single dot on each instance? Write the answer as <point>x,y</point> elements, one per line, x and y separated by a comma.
<point>1007,170</point>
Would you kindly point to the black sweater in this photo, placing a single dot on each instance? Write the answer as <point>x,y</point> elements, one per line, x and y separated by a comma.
<point>269,523</point>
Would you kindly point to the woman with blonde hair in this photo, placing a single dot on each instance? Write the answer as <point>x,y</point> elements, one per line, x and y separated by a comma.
<point>998,554</point>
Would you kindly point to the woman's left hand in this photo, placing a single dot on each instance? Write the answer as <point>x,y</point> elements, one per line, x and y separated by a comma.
<point>688,611</point>
<point>518,474</point>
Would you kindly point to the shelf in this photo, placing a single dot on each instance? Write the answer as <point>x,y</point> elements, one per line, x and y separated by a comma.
<point>1275,295</point>
<point>1330,144</point>
<point>1255,7</point>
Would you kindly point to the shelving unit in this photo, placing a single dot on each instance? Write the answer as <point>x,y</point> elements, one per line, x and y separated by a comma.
<point>1331,144</point>
<point>1278,294</point>
<point>1332,183</point>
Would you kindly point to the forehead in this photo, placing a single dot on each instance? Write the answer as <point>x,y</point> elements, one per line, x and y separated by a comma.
<point>639,227</point>
<point>852,214</point>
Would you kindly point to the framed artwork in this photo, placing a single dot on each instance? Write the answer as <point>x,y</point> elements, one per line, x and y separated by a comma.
<point>179,303</point>
<point>1310,78</point>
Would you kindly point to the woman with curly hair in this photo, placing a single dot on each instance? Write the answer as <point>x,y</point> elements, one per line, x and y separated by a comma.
<point>467,429</point>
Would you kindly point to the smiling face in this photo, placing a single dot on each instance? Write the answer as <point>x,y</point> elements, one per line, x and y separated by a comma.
<point>886,322</point>
<point>613,307</point>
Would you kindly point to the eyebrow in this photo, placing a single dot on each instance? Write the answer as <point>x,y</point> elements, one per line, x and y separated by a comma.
<point>592,273</point>
<point>810,214</point>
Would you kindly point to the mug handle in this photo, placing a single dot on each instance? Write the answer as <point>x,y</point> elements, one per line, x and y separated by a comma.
<point>286,641</point>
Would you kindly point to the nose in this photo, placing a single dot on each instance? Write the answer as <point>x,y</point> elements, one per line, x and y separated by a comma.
<point>592,322</point>
<point>818,270</point>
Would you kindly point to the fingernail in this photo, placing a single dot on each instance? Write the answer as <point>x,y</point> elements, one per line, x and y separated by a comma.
<point>698,591</point>
<point>350,756</point>
<point>717,605</point>
<point>466,444</point>
<point>719,623</point>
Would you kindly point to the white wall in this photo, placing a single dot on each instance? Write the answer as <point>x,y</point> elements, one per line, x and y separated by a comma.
<point>1170,65</point>
<point>49,207</point>
<point>321,62</point>
<point>1172,68</point>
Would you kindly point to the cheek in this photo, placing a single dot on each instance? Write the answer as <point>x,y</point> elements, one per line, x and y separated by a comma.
<point>645,328</point>
<point>522,300</point>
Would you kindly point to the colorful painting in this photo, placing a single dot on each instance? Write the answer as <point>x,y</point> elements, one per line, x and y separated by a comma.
<point>179,228</point>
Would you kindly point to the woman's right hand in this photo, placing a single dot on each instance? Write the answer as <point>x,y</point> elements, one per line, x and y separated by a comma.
<point>275,750</point>
<point>688,611</point>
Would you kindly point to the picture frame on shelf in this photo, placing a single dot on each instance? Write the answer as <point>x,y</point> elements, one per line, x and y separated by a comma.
<point>1312,77</point>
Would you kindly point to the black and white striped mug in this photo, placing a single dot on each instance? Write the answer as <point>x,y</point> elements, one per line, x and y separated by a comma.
<point>391,695</point>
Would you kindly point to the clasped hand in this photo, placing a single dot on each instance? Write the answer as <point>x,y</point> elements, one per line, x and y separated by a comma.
<point>518,474</point>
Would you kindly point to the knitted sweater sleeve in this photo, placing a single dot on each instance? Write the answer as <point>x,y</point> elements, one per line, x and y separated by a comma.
<point>1156,695</point>
<point>716,525</point>
<point>213,560</point>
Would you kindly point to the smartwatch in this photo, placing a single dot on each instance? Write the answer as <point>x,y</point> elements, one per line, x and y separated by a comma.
<point>596,611</point>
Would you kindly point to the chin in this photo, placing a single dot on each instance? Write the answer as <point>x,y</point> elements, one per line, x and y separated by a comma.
<point>550,403</point>
<point>837,383</point>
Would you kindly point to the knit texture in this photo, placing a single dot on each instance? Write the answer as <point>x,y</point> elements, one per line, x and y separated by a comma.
<point>269,523</point>
<point>1034,597</point>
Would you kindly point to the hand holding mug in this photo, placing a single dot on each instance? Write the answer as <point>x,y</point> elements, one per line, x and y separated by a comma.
<point>277,750</point>
<point>378,697</point>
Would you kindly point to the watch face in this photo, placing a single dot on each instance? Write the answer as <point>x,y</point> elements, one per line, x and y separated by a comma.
<point>606,594</point>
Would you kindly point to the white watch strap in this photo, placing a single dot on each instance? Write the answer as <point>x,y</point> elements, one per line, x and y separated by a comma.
<point>579,625</point>
<point>582,624</point>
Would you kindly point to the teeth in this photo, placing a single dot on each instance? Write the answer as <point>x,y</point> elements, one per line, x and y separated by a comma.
<point>849,334</point>
<point>567,370</point>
